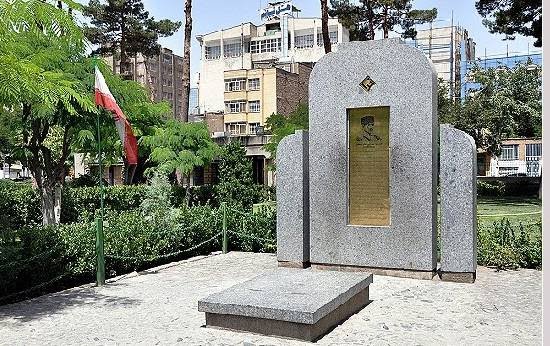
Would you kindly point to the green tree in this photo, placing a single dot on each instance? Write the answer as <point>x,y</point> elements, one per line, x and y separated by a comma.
<point>143,115</point>
<point>446,107</point>
<point>180,147</point>
<point>280,126</point>
<point>46,86</point>
<point>506,103</point>
<point>513,17</point>
<point>38,42</point>
<point>363,19</point>
<point>236,183</point>
<point>122,29</point>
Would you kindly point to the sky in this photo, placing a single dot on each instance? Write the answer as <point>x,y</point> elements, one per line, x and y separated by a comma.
<point>212,15</point>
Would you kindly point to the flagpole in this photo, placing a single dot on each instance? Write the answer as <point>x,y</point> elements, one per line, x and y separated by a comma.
<point>100,236</point>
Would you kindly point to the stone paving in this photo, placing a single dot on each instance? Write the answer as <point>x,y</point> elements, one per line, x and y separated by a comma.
<point>159,307</point>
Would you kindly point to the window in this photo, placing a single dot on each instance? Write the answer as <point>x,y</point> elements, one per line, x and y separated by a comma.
<point>264,46</point>
<point>533,151</point>
<point>212,52</point>
<point>232,50</point>
<point>509,152</point>
<point>235,106</point>
<point>254,84</point>
<point>235,84</point>
<point>254,106</point>
<point>236,129</point>
<point>303,41</point>
<point>333,35</point>
<point>253,128</point>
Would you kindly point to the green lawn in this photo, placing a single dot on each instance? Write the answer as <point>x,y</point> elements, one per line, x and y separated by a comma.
<point>495,209</point>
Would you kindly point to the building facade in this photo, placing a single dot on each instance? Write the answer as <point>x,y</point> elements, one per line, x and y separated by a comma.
<point>518,157</point>
<point>247,46</point>
<point>447,47</point>
<point>249,72</point>
<point>162,75</point>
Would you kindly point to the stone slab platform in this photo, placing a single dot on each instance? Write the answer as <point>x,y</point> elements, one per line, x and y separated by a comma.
<point>159,307</point>
<point>294,303</point>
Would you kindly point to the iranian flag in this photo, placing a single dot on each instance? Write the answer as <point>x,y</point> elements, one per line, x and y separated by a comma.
<point>105,99</point>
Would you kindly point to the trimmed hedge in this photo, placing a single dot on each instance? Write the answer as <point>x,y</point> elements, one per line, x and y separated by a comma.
<point>32,256</point>
<point>19,205</point>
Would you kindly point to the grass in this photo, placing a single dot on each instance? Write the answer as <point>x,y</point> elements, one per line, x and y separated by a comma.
<point>494,209</point>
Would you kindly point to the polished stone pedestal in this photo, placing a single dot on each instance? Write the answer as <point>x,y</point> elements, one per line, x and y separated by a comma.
<point>297,303</point>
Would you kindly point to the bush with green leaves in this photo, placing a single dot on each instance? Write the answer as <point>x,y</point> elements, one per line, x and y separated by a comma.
<point>507,247</point>
<point>236,185</point>
<point>491,188</point>
<point>134,240</point>
<point>19,205</point>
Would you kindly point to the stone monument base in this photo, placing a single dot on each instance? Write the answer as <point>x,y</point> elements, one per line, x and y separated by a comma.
<point>458,277</point>
<point>292,264</point>
<point>293,303</point>
<point>401,273</point>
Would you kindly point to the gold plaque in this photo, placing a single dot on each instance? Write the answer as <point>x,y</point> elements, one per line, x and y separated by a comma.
<point>369,166</point>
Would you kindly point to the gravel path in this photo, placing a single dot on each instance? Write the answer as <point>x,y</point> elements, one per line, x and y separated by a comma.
<point>160,307</point>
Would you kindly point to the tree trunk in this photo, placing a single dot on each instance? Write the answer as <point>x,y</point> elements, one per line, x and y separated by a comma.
<point>370,20</point>
<point>122,43</point>
<point>50,198</point>
<point>186,79</point>
<point>324,26</point>
<point>385,25</point>
<point>187,191</point>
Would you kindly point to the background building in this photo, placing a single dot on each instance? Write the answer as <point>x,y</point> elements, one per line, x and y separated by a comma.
<point>447,47</point>
<point>247,46</point>
<point>249,72</point>
<point>161,74</point>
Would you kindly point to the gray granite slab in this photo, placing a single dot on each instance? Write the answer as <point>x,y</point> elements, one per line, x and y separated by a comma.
<point>406,82</point>
<point>458,201</point>
<point>285,294</point>
<point>293,199</point>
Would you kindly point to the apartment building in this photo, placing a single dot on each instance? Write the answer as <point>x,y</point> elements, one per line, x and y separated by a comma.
<point>518,157</point>
<point>249,72</point>
<point>447,47</point>
<point>246,46</point>
<point>251,96</point>
<point>161,74</point>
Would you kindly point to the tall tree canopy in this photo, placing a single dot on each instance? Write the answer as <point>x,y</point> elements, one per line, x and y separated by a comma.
<point>46,87</point>
<point>505,103</point>
<point>363,19</point>
<point>180,147</point>
<point>280,126</point>
<point>511,17</point>
<point>123,28</point>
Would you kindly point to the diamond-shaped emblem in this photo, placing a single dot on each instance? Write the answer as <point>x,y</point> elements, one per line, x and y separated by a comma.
<point>367,83</point>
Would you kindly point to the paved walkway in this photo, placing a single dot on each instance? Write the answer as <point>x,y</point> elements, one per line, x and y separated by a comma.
<point>160,307</point>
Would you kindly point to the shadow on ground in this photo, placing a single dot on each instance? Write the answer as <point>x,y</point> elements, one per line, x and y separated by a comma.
<point>55,303</point>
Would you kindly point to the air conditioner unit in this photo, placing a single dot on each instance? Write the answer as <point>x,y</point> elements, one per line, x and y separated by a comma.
<point>219,134</point>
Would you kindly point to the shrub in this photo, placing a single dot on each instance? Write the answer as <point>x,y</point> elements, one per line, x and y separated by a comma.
<point>81,203</point>
<point>19,205</point>
<point>505,247</point>
<point>491,188</point>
